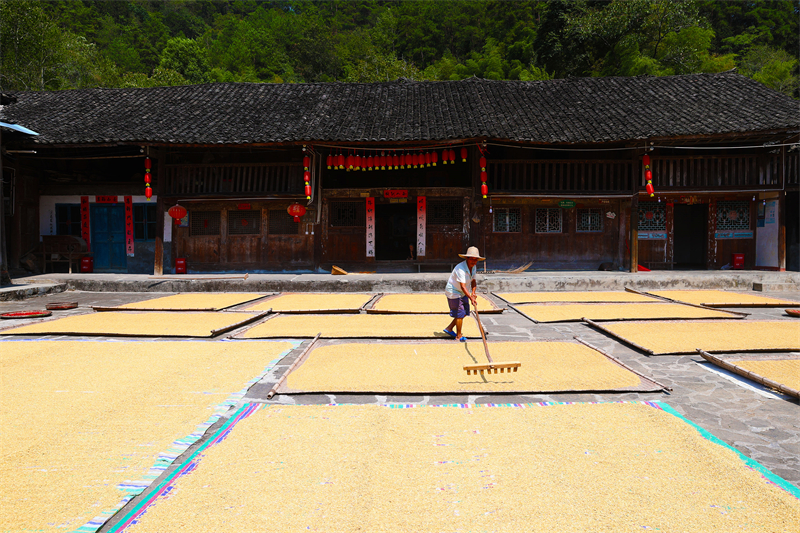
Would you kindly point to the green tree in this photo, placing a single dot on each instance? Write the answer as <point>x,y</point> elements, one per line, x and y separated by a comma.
<point>774,68</point>
<point>186,57</point>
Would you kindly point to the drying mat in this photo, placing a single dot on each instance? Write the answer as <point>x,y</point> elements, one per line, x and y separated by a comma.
<point>781,373</point>
<point>723,299</point>
<point>553,312</point>
<point>575,296</point>
<point>532,467</point>
<point>314,303</point>
<point>139,324</point>
<point>425,303</point>
<point>192,301</point>
<point>437,367</point>
<point>357,326</point>
<point>89,424</point>
<point>678,337</point>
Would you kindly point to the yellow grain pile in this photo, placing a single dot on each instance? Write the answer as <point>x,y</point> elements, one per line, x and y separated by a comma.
<point>783,371</point>
<point>286,303</point>
<point>438,367</point>
<point>702,297</point>
<point>138,324</point>
<point>568,312</point>
<point>358,326</point>
<point>194,300</point>
<point>603,467</point>
<point>719,336</point>
<point>424,303</point>
<point>78,418</point>
<point>573,296</point>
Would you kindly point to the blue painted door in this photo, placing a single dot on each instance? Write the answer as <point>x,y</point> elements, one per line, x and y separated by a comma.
<point>108,237</point>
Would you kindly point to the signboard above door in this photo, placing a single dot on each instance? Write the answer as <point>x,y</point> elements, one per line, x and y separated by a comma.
<point>395,193</point>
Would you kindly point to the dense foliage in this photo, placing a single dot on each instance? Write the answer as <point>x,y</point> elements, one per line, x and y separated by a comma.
<point>64,44</point>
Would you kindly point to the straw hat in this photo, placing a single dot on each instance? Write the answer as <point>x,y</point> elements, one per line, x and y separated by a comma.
<point>472,252</point>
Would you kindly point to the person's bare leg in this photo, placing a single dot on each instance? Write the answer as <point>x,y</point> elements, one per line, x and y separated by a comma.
<point>458,322</point>
<point>450,327</point>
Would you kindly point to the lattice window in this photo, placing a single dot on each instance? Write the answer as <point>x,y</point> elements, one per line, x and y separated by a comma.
<point>246,222</point>
<point>548,220</point>
<point>652,216</point>
<point>507,220</point>
<point>441,212</point>
<point>733,215</point>
<point>348,214</point>
<point>590,220</point>
<point>282,223</point>
<point>68,219</point>
<point>204,223</point>
<point>144,222</point>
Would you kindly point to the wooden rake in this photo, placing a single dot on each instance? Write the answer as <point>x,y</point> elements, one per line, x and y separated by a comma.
<point>491,367</point>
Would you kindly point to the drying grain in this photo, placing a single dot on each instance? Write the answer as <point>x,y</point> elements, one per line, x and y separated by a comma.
<point>613,311</point>
<point>79,418</point>
<point>720,298</point>
<point>574,296</point>
<point>783,371</point>
<point>424,303</point>
<point>717,336</point>
<point>438,368</point>
<point>357,326</point>
<point>614,467</point>
<point>309,302</point>
<point>194,300</point>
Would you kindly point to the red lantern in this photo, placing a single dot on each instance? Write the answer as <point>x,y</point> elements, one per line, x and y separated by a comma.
<point>650,189</point>
<point>147,163</point>
<point>308,192</point>
<point>394,161</point>
<point>329,161</point>
<point>297,211</point>
<point>452,154</point>
<point>427,159</point>
<point>434,158</point>
<point>340,161</point>
<point>306,163</point>
<point>484,189</point>
<point>147,178</point>
<point>483,163</point>
<point>484,177</point>
<point>648,175</point>
<point>370,161</point>
<point>444,157</point>
<point>350,162</point>
<point>464,154</point>
<point>148,192</point>
<point>306,176</point>
<point>646,160</point>
<point>415,160</point>
<point>177,212</point>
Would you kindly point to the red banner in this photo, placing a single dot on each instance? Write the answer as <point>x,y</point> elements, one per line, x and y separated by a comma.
<point>395,193</point>
<point>129,226</point>
<point>85,227</point>
<point>421,225</point>
<point>370,227</point>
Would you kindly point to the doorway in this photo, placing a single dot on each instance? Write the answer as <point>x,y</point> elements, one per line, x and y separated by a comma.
<point>395,231</point>
<point>108,237</point>
<point>690,223</point>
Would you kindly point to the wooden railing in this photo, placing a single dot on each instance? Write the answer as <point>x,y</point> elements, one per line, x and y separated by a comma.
<point>717,172</point>
<point>577,177</point>
<point>234,179</point>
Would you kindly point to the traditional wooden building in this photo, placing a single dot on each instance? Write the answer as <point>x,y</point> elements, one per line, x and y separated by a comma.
<point>403,176</point>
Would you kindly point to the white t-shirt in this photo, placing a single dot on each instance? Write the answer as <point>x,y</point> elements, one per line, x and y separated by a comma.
<point>461,274</point>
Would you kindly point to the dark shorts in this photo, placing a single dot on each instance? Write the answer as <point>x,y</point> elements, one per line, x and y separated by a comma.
<point>459,307</point>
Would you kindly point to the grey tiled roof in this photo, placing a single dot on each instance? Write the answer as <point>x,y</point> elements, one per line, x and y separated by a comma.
<point>573,110</point>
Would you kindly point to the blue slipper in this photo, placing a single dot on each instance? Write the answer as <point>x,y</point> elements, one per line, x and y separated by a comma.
<point>451,333</point>
<point>463,339</point>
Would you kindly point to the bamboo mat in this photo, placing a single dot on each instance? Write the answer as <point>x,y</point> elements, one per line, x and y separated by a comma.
<point>712,298</point>
<point>358,326</point>
<point>572,296</point>
<point>437,367</point>
<point>88,424</point>
<point>313,303</point>
<point>546,467</point>
<point>677,337</point>
<point>569,312</point>
<point>138,324</point>
<point>424,303</point>
<point>192,301</point>
<point>780,372</point>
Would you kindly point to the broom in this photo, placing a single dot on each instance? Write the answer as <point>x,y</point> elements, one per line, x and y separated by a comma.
<point>492,367</point>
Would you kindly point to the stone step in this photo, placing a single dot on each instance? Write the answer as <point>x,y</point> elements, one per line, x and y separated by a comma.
<point>774,287</point>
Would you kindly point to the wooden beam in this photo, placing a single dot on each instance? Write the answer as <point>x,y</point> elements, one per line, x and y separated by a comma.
<point>634,244</point>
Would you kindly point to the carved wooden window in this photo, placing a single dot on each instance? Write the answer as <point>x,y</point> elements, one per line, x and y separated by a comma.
<point>590,220</point>
<point>548,220</point>
<point>444,212</point>
<point>282,223</point>
<point>246,222</point>
<point>507,220</point>
<point>348,214</point>
<point>733,215</point>
<point>204,223</point>
<point>652,216</point>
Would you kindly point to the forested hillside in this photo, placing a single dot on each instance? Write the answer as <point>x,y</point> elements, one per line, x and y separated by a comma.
<point>66,44</point>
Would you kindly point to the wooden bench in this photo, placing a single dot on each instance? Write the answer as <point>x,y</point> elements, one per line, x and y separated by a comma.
<point>62,249</point>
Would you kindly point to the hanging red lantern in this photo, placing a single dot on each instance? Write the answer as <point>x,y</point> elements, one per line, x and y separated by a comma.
<point>329,161</point>
<point>147,178</point>
<point>415,160</point>
<point>306,163</point>
<point>646,160</point>
<point>306,176</point>
<point>427,159</point>
<point>463,154</point>
<point>297,211</point>
<point>484,189</point>
<point>147,163</point>
<point>177,212</point>
<point>434,158</point>
<point>648,175</point>
<point>351,162</point>
<point>445,157</point>
<point>340,161</point>
<point>650,189</point>
<point>357,162</point>
<point>148,192</point>
<point>452,156</point>
<point>395,161</point>
<point>483,163</point>
<point>484,177</point>
<point>308,192</point>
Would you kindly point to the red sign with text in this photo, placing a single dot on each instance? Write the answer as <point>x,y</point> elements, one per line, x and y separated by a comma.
<point>85,227</point>
<point>395,193</point>
<point>105,199</point>
<point>129,226</point>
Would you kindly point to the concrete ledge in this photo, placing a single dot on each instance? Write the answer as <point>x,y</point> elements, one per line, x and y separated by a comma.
<point>20,292</point>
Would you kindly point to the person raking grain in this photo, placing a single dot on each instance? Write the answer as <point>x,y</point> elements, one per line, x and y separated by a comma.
<point>460,291</point>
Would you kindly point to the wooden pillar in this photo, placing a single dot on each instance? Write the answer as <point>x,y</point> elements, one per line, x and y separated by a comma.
<point>782,231</point>
<point>158,189</point>
<point>635,233</point>
<point>711,254</point>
